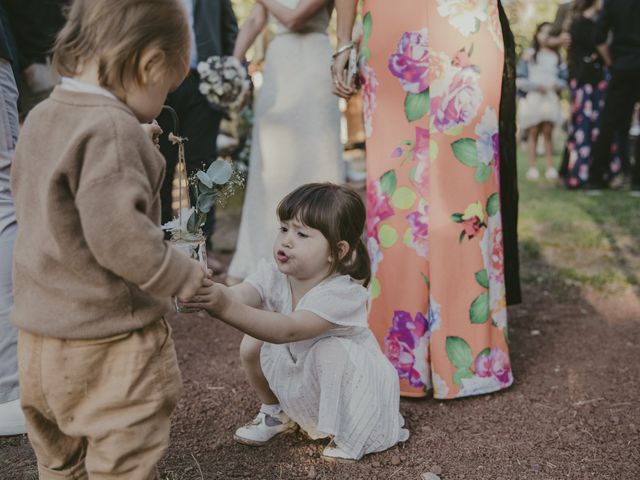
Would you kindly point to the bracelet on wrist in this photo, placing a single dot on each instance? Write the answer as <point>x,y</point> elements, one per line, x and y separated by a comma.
<point>343,49</point>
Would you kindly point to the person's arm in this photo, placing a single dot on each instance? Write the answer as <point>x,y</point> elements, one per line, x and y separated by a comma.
<point>293,18</point>
<point>601,34</point>
<point>113,199</point>
<point>229,27</point>
<point>250,29</point>
<point>246,294</point>
<point>346,16</point>
<point>272,327</point>
<point>605,53</point>
<point>557,41</point>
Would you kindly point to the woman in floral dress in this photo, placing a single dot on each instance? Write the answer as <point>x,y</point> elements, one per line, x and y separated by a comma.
<point>435,119</point>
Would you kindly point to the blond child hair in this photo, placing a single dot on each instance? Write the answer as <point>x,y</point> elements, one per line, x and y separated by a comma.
<point>115,32</point>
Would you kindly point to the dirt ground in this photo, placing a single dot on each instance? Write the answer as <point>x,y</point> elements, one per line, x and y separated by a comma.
<point>573,412</point>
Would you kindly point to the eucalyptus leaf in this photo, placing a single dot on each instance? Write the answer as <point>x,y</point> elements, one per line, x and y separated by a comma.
<point>206,201</point>
<point>220,171</point>
<point>204,178</point>
<point>192,223</point>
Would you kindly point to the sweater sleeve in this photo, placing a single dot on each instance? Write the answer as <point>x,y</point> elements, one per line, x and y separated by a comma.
<point>114,211</point>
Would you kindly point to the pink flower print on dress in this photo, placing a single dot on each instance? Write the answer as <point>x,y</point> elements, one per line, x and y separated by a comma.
<point>369,87</point>
<point>410,63</point>
<point>419,224</point>
<point>459,105</point>
<point>379,207</point>
<point>495,364</point>
<point>497,255</point>
<point>407,340</point>
<point>465,15</point>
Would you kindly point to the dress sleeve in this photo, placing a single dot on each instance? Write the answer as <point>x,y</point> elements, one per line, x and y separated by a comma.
<point>341,301</point>
<point>264,279</point>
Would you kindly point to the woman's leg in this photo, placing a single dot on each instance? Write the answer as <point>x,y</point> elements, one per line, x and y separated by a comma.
<point>250,359</point>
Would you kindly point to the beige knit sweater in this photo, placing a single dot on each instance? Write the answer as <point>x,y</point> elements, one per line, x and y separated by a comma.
<point>90,260</point>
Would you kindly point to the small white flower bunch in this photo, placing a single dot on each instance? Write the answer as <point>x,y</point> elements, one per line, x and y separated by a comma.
<point>223,80</point>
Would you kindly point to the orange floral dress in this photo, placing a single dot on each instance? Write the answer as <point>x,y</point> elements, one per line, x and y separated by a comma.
<point>431,73</point>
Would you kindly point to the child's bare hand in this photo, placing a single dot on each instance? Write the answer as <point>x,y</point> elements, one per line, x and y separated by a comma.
<point>193,283</point>
<point>213,297</point>
<point>154,131</point>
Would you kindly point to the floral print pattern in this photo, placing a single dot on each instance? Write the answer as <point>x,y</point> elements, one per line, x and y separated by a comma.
<point>438,304</point>
<point>587,101</point>
<point>410,63</point>
<point>406,346</point>
<point>369,86</point>
<point>465,15</point>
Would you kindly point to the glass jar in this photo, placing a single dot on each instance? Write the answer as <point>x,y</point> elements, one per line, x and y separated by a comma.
<point>193,246</point>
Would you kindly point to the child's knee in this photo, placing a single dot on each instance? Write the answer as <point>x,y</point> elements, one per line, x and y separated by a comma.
<point>250,349</point>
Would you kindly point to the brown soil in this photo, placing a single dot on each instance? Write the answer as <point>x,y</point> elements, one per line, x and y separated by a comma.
<point>572,413</point>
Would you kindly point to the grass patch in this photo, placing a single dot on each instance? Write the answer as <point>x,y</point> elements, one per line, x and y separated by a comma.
<point>589,240</point>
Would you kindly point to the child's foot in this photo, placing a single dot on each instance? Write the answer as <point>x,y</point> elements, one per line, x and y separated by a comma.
<point>335,454</point>
<point>532,174</point>
<point>551,174</point>
<point>264,428</point>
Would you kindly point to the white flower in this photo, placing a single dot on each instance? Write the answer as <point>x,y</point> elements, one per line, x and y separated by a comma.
<point>440,387</point>
<point>478,385</point>
<point>464,15</point>
<point>420,364</point>
<point>376,255</point>
<point>179,222</point>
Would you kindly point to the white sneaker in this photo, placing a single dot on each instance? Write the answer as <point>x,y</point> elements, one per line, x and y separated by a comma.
<point>335,454</point>
<point>532,174</point>
<point>264,428</point>
<point>12,420</point>
<point>551,174</point>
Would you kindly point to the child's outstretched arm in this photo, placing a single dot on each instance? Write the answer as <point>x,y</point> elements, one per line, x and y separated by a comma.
<point>222,302</point>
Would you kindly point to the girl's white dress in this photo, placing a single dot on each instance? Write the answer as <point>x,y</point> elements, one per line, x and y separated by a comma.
<point>296,132</point>
<point>538,107</point>
<point>338,384</point>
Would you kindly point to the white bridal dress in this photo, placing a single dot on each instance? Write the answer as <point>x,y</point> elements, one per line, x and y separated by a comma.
<point>296,133</point>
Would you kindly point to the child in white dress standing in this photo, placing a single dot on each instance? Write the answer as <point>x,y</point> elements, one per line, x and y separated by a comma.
<point>539,76</point>
<point>320,366</point>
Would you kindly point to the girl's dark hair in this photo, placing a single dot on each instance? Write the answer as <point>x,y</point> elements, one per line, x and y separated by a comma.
<point>536,42</point>
<point>339,214</point>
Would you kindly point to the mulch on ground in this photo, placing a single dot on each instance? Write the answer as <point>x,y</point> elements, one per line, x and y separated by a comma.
<point>572,413</point>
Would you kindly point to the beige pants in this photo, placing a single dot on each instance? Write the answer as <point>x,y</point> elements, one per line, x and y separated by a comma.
<point>99,409</point>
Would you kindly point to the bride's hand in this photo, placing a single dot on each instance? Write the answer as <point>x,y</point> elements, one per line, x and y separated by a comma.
<point>340,86</point>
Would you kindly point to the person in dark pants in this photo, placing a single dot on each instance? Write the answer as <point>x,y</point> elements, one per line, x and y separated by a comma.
<point>214,29</point>
<point>621,18</point>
